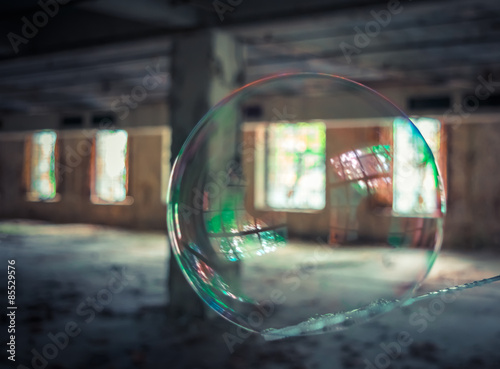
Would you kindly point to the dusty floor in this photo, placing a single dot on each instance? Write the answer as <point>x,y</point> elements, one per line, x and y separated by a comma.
<point>107,288</point>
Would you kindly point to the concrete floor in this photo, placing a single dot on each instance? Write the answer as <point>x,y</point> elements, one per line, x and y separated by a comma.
<point>107,288</point>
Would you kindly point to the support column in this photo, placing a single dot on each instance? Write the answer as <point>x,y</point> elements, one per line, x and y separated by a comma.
<point>206,66</point>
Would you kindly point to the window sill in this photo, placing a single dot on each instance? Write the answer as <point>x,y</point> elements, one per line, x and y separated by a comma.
<point>95,200</point>
<point>32,198</point>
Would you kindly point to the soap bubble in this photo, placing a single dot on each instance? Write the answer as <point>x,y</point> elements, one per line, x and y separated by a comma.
<point>301,202</point>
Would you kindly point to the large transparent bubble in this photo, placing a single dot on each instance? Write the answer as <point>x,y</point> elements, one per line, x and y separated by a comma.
<point>301,200</point>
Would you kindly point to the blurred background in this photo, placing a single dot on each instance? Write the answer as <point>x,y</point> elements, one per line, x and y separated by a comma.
<point>97,98</point>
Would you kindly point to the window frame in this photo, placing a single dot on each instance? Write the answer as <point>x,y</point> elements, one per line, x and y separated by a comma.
<point>95,199</point>
<point>261,160</point>
<point>29,165</point>
<point>441,161</point>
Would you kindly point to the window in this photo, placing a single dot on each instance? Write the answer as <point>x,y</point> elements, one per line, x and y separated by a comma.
<point>414,170</point>
<point>110,167</point>
<point>72,122</point>
<point>294,166</point>
<point>42,166</point>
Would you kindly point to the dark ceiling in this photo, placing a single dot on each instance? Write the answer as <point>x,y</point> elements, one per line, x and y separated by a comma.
<point>91,51</point>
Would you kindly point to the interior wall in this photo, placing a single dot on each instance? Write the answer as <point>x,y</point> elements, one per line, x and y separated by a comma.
<point>149,149</point>
<point>471,149</point>
<point>473,219</point>
<point>313,224</point>
<point>472,145</point>
<point>145,115</point>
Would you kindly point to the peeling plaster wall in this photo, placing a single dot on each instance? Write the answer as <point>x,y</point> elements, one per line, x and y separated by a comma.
<point>473,188</point>
<point>148,177</point>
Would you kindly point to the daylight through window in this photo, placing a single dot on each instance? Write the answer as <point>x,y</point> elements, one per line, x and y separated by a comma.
<point>43,166</point>
<point>110,166</point>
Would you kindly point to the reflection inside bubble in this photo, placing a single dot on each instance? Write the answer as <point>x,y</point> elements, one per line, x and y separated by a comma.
<point>279,222</point>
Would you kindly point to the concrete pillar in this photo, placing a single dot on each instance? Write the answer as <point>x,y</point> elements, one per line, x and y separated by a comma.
<point>206,66</point>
